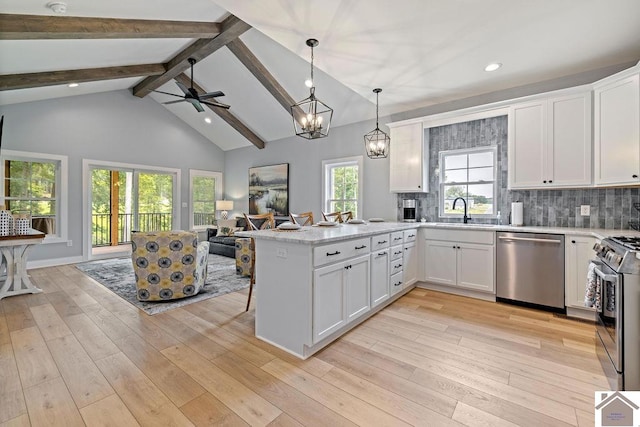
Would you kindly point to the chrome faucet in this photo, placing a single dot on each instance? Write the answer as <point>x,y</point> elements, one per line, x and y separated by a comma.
<point>465,217</point>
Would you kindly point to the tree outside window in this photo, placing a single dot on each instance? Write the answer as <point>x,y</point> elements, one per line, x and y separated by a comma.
<point>343,185</point>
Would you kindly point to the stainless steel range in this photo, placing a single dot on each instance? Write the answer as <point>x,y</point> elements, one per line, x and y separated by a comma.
<point>618,320</point>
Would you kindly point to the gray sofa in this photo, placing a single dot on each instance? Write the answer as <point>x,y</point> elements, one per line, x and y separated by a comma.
<point>226,245</point>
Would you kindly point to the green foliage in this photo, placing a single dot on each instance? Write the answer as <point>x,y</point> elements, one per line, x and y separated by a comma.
<point>31,187</point>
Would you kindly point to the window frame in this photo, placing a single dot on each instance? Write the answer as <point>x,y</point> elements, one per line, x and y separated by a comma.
<point>441,177</point>
<point>61,200</point>
<point>195,173</point>
<point>327,166</point>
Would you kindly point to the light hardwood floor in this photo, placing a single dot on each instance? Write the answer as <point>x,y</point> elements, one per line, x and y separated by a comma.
<point>79,355</point>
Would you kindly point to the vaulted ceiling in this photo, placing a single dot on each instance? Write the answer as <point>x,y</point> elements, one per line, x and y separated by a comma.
<point>421,52</point>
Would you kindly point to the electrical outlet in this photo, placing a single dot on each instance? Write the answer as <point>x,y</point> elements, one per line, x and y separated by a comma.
<point>281,252</point>
<point>585,210</point>
<point>69,243</point>
<point>185,205</point>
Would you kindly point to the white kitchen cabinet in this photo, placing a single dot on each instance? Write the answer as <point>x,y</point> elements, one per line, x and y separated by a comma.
<point>550,142</point>
<point>617,129</point>
<point>379,276</point>
<point>341,294</point>
<point>408,159</point>
<point>410,263</point>
<point>578,253</point>
<point>460,259</point>
<point>475,267</point>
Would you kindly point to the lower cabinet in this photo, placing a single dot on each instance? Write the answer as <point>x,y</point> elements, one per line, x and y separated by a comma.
<point>578,253</point>
<point>379,276</point>
<point>465,261</point>
<point>410,263</point>
<point>341,293</point>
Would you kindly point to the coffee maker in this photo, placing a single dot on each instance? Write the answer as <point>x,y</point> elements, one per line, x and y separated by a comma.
<point>409,210</point>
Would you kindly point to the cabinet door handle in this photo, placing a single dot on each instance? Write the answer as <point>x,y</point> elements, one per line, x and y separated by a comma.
<point>550,181</point>
<point>397,284</point>
<point>544,182</point>
<point>333,253</point>
<point>360,247</point>
<point>384,241</point>
<point>346,267</point>
<point>381,253</point>
<point>397,266</point>
<point>411,235</point>
<point>573,241</point>
<point>634,176</point>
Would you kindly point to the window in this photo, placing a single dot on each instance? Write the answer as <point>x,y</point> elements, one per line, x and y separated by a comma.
<point>470,174</point>
<point>35,184</point>
<point>342,190</point>
<point>205,189</point>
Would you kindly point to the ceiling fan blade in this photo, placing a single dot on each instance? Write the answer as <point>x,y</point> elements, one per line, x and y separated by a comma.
<point>183,87</point>
<point>216,104</point>
<point>211,94</point>
<point>167,93</point>
<point>197,105</point>
<point>173,102</point>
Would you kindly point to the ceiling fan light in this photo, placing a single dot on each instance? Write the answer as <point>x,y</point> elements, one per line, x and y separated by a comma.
<point>311,117</point>
<point>493,66</point>
<point>207,120</point>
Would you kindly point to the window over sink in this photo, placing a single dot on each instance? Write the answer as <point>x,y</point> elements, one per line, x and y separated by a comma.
<point>470,174</point>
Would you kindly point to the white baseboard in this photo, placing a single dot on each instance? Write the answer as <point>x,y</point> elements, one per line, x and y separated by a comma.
<point>53,262</point>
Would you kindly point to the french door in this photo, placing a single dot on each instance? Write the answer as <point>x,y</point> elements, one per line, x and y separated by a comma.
<point>128,199</point>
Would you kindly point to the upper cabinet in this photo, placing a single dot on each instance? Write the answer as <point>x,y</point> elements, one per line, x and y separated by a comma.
<point>550,142</point>
<point>617,129</point>
<point>408,159</point>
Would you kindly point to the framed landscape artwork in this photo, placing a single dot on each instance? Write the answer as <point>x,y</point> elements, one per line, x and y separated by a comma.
<point>269,189</point>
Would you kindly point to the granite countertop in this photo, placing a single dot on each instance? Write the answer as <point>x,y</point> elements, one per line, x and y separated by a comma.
<point>599,233</point>
<point>318,235</point>
<point>313,235</point>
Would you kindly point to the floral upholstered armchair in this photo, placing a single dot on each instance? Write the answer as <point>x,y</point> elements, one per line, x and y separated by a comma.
<point>168,264</point>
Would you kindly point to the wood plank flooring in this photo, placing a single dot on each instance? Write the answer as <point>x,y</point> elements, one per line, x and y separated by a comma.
<point>79,355</point>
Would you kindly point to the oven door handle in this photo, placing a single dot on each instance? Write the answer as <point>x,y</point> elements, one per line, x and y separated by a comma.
<point>606,277</point>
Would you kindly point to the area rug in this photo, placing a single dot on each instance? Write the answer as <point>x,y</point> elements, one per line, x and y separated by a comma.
<point>116,274</point>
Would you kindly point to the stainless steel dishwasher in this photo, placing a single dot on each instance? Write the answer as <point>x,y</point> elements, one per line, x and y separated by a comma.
<point>530,269</point>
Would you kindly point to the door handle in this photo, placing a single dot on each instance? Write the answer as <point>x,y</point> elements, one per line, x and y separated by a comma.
<point>606,277</point>
<point>530,239</point>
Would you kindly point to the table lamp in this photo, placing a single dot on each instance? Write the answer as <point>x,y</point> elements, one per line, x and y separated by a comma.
<point>224,206</point>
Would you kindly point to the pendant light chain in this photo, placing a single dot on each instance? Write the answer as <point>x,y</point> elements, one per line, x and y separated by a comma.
<point>377,125</point>
<point>313,83</point>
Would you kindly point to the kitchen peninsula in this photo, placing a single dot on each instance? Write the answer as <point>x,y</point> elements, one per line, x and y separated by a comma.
<point>316,283</point>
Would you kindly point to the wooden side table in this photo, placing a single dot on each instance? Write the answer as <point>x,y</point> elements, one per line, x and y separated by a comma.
<point>15,250</point>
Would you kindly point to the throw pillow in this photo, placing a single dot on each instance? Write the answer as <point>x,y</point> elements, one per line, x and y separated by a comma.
<point>225,231</point>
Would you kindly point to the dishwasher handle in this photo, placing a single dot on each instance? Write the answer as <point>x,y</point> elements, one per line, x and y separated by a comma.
<point>530,239</point>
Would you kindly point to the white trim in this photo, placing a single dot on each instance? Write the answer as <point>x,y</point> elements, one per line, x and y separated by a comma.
<point>62,198</point>
<point>53,262</point>
<point>485,111</point>
<point>218,176</point>
<point>88,164</point>
<point>343,161</point>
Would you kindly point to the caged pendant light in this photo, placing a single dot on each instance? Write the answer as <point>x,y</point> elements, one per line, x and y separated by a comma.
<point>311,117</point>
<point>377,142</point>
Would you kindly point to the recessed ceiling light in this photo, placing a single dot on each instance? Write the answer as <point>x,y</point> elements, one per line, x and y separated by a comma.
<point>73,85</point>
<point>207,119</point>
<point>493,66</point>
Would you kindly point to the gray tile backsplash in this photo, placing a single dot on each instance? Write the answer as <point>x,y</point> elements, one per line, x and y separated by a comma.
<point>610,208</point>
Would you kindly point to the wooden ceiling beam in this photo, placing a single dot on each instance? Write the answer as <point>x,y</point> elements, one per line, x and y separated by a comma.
<point>231,28</point>
<point>225,115</point>
<point>32,27</point>
<point>260,72</point>
<point>51,78</point>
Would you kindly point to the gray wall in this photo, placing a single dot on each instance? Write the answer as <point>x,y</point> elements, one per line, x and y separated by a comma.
<point>610,208</point>
<point>111,126</point>
<point>305,170</point>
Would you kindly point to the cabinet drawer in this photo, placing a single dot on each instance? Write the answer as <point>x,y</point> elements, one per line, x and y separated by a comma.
<point>397,237</point>
<point>462,236</point>
<point>340,251</point>
<point>410,235</point>
<point>379,242</point>
<point>396,252</point>
<point>395,266</point>
<point>396,282</point>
